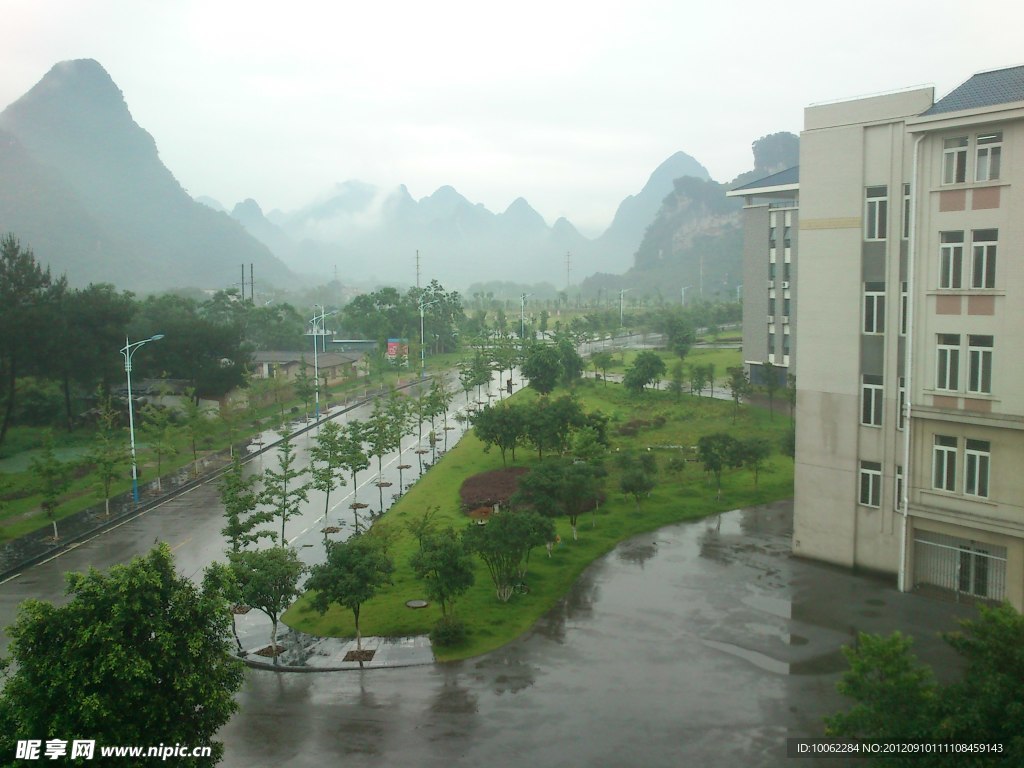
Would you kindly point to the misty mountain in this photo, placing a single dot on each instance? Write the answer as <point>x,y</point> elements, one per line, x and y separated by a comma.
<point>695,241</point>
<point>84,187</point>
<point>371,234</point>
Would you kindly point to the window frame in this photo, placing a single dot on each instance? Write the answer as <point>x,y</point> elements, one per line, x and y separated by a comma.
<point>876,213</point>
<point>947,362</point>
<point>989,146</point>
<point>951,259</point>
<point>954,160</point>
<point>870,484</point>
<point>873,321</point>
<point>872,400</point>
<point>898,489</point>
<point>984,250</point>
<point>979,363</point>
<point>977,468</point>
<point>944,457</point>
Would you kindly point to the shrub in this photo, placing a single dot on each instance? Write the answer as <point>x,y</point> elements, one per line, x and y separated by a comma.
<point>449,632</point>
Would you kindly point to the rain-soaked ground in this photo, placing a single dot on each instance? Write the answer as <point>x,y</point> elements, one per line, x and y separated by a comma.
<point>697,645</point>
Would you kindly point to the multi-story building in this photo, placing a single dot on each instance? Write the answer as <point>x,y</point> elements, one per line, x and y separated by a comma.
<point>770,246</point>
<point>910,411</point>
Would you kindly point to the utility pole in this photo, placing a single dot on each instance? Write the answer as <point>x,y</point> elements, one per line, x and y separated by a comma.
<point>417,270</point>
<point>568,270</point>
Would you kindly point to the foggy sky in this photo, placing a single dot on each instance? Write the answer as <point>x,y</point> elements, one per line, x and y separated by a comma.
<point>568,104</point>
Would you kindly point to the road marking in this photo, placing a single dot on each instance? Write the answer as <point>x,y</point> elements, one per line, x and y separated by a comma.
<point>176,547</point>
<point>10,578</point>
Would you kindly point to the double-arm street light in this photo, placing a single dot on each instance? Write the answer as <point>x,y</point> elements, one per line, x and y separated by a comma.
<point>318,330</point>
<point>423,361</point>
<point>127,352</point>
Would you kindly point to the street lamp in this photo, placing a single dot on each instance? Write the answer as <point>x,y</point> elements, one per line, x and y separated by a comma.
<point>423,362</point>
<point>127,352</point>
<point>522,317</point>
<point>739,291</point>
<point>318,330</point>
<point>622,292</point>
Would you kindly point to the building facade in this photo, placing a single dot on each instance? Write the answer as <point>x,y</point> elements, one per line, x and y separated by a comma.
<point>771,219</point>
<point>910,415</point>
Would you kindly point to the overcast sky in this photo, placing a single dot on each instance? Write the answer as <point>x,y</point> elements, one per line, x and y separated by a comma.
<point>568,104</point>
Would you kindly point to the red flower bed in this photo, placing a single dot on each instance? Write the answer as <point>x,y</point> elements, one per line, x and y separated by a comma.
<point>489,488</point>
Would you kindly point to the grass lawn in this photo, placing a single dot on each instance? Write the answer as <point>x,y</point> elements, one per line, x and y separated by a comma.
<point>679,496</point>
<point>722,359</point>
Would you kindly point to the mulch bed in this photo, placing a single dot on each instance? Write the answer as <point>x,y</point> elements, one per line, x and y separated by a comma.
<point>363,655</point>
<point>271,651</point>
<point>489,488</point>
<point>240,610</point>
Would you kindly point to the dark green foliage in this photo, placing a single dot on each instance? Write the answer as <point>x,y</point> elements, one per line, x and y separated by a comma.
<point>898,699</point>
<point>283,489</point>
<point>445,567</point>
<point>636,483</point>
<point>504,545</point>
<point>719,451</point>
<point>572,363</point>
<point>449,632</point>
<point>503,425</point>
<point>139,655</point>
<point>543,367</point>
<point>327,462</point>
<point>52,478</point>
<point>268,580</point>
<point>739,385</point>
<point>355,569</point>
<point>647,368</point>
<point>240,508</point>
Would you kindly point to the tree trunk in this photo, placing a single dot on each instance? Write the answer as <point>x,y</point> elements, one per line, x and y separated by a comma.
<point>9,410</point>
<point>66,386</point>
<point>55,536</point>
<point>273,638</point>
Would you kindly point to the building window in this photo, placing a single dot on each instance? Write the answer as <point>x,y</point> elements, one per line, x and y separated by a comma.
<point>785,271</point>
<point>989,151</point>
<point>906,211</point>
<point>978,457</point>
<point>787,240</point>
<point>899,488</point>
<point>983,258</point>
<point>954,160</point>
<point>785,343</point>
<point>876,213</point>
<point>771,270</point>
<point>771,343</point>
<point>979,364</point>
<point>874,307</point>
<point>870,483</point>
<point>785,306</point>
<point>902,403</point>
<point>771,306</point>
<point>904,308</point>
<point>871,401</point>
<point>771,237</point>
<point>947,362</point>
<point>944,463</point>
<point>951,259</point>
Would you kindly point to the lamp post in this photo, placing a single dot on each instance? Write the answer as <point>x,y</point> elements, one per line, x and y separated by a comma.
<point>423,361</point>
<point>318,330</point>
<point>739,291</point>
<point>127,351</point>
<point>622,292</point>
<point>522,317</point>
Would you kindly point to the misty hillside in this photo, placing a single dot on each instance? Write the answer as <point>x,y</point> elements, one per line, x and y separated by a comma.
<point>84,187</point>
<point>695,241</point>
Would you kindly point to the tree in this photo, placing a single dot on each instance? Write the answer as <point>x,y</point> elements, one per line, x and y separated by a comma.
<point>138,655</point>
<point>240,508</point>
<point>549,422</point>
<point>109,452</point>
<point>718,451</point>
<point>159,435</point>
<point>791,396</point>
<point>327,459</point>
<point>27,297</point>
<point>678,379</point>
<point>636,483</point>
<point>282,490</point>
<point>898,699</point>
<point>647,368</point>
<point>304,387</point>
<point>698,379</point>
<point>739,386</point>
<point>354,571</point>
<point>679,335</point>
<point>602,360</point>
<point>753,453</point>
<point>445,567</point>
<point>354,459</point>
<point>563,487</point>
<point>570,360</point>
<point>504,545</point>
<point>268,580</point>
<point>383,434</point>
<point>503,426</point>
<point>196,425</point>
<point>543,367</point>
<point>52,479</point>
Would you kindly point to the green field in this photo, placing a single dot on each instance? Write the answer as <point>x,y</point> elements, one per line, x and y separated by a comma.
<point>679,496</point>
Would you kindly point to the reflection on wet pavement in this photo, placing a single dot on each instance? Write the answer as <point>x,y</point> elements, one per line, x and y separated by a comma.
<point>700,644</point>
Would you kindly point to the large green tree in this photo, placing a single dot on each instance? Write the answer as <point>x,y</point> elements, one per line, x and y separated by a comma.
<point>504,545</point>
<point>503,425</point>
<point>327,462</point>
<point>138,655</point>
<point>543,367</point>
<point>647,368</point>
<point>445,567</point>
<point>268,580</point>
<point>283,488</point>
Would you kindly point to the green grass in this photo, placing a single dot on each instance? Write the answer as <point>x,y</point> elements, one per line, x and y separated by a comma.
<point>722,359</point>
<point>678,497</point>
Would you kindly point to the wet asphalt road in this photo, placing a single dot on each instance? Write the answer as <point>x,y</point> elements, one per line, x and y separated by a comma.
<point>689,646</point>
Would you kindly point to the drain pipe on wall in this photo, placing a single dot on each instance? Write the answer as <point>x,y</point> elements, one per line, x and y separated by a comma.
<point>908,367</point>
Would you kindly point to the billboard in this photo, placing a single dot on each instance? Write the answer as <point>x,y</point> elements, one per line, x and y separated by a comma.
<point>398,351</point>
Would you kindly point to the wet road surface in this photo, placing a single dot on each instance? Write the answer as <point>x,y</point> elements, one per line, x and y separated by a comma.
<point>695,645</point>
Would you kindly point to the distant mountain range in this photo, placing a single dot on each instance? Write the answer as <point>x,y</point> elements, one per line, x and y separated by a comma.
<point>371,234</point>
<point>84,187</point>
